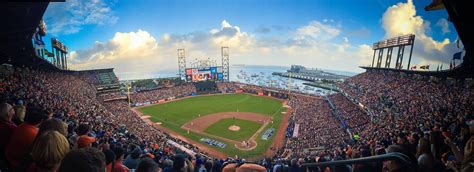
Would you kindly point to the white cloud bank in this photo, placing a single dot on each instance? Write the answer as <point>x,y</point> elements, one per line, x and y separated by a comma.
<point>138,54</point>
<point>401,19</point>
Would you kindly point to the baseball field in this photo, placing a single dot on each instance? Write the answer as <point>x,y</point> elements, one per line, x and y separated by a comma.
<point>237,120</point>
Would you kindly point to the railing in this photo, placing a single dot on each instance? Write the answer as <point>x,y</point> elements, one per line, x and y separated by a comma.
<point>401,158</point>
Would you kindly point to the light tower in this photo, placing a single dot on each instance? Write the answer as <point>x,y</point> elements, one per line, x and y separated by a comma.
<point>225,63</point>
<point>182,64</point>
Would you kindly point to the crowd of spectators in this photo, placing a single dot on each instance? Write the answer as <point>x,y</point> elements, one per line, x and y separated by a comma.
<point>227,87</point>
<point>318,129</point>
<point>414,112</point>
<point>351,115</point>
<point>112,96</point>
<point>154,96</point>
<point>51,121</point>
<point>33,100</point>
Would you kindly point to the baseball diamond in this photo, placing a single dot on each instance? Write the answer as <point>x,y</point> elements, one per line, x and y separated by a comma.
<point>211,116</point>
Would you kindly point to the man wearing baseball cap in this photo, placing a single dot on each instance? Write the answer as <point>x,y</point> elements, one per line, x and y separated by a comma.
<point>85,141</point>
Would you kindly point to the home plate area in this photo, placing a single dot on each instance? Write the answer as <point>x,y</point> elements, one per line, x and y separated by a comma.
<point>238,128</point>
<point>234,128</point>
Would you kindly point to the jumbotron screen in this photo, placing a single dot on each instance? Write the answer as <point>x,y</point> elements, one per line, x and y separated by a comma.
<point>204,74</point>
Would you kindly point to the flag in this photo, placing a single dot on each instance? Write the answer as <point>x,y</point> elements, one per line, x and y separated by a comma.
<point>435,5</point>
<point>457,55</point>
<point>413,67</point>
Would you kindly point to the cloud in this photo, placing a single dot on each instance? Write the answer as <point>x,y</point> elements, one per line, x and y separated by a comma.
<point>318,44</point>
<point>444,25</point>
<point>401,19</point>
<point>231,36</point>
<point>313,34</point>
<point>130,51</point>
<point>71,17</point>
<point>138,54</point>
<point>317,31</point>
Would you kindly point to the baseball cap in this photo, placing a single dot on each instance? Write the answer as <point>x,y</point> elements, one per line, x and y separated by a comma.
<point>85,141</point>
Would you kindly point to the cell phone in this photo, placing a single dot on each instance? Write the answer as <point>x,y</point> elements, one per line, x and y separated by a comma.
<point>451,158</point>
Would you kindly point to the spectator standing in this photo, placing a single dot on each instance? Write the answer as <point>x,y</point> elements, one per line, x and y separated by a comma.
<point>24,136</point>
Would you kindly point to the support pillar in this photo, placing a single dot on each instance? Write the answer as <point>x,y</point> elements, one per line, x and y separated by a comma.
<point>389,57</point>
<point>58,53</point>
<point>379,59</point>
<point>65,61</point>
<point>401,51</point>
<point>373,58</point>
<point>52,58</point>
<point>411,51</point>
<point>409,58</point>
<point>63,64</point>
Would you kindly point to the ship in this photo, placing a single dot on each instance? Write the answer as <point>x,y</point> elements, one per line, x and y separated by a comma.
<point>303,73</point>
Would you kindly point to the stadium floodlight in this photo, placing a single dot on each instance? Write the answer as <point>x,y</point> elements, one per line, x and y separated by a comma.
<point>225,63</point>
<point>61,53</point>
<point>396,42</point>
<point>182,64</point>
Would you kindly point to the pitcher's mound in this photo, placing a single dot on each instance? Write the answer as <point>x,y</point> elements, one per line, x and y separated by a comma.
<point>234,128</point>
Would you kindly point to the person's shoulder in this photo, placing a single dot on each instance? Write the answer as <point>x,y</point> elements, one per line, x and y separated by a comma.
<point>7,125</point>
<point>121,168</point>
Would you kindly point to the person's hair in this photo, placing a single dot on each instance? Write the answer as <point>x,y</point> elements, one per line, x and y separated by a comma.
<point>4,110</point>
<point>54,125</point>
<point>82,129</point>
<point>424,146</point>
<point>35,115</point>
<point>403,150</point>
<point>178,162</point>
<point>135,154</point>
<point>109,158</point>
<point>208,165</point>
<point>415,136</point>
<point>83,160</point>
<point>118,151</point>
<point>49,149</point>
<point>147,165</point>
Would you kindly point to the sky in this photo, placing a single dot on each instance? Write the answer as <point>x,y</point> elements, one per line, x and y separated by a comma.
<point>141,37</point>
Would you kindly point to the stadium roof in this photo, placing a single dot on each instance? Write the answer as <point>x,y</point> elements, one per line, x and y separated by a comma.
<point>460,12</point>
<point>16,34</point>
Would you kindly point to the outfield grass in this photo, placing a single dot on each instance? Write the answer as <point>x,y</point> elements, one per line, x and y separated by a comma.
<point>174,114</point>
<point>221,128</point>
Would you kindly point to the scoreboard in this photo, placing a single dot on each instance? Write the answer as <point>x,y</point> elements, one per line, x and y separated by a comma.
<point>204,74</point>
